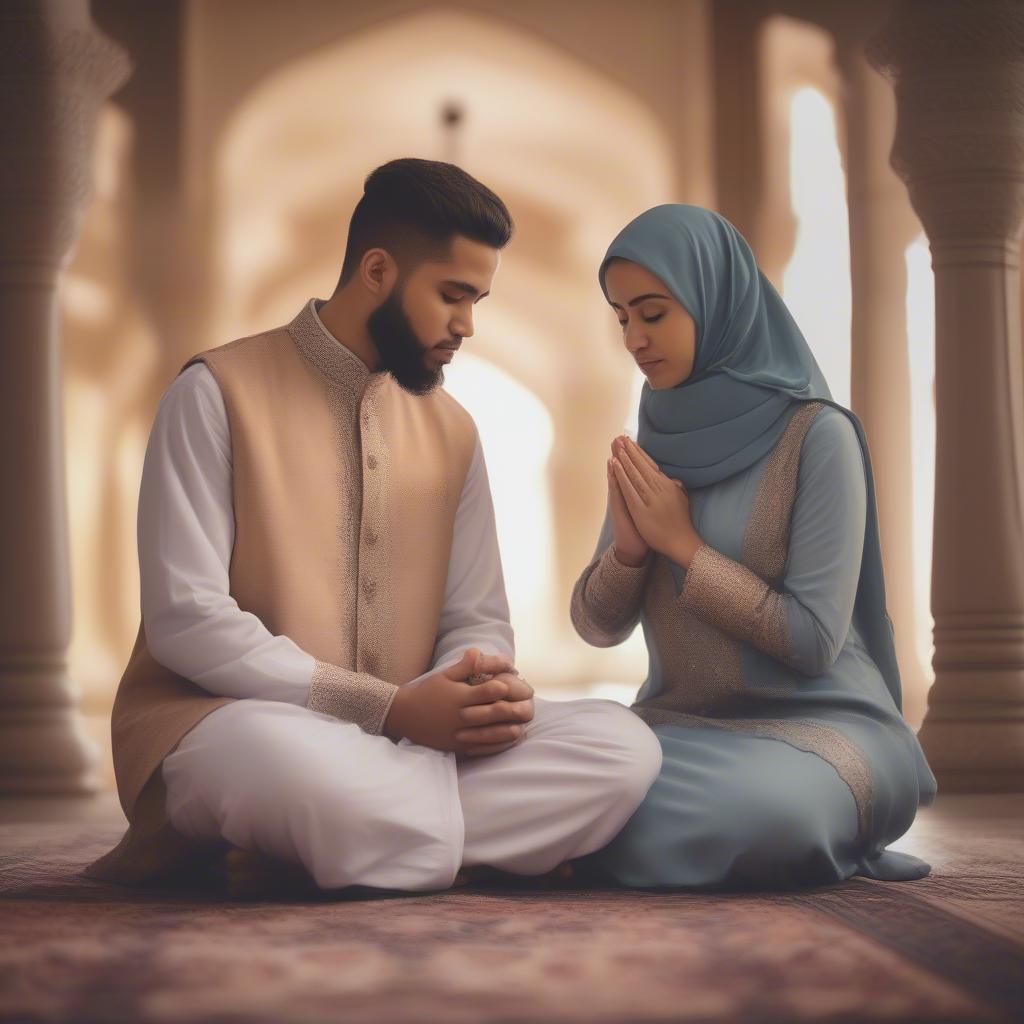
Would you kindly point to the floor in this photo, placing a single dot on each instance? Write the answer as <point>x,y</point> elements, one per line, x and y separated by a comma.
<point>946,948</point>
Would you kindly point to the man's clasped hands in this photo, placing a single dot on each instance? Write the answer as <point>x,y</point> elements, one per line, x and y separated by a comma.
<point>450,710</point>
<point>480,705</point>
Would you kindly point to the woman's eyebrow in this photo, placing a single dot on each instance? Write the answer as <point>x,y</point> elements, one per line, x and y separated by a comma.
<point>475,292</point>
<point>640,298</point>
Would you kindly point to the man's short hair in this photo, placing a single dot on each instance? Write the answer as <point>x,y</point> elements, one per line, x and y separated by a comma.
<point>414,208</point>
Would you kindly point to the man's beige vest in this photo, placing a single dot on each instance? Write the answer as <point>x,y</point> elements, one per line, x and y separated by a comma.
<point>345,490</point>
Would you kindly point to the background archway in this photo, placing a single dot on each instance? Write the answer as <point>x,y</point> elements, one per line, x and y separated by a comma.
<point>574,154</point>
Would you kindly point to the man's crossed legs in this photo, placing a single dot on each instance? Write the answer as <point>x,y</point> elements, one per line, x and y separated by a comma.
<point>358,809</point>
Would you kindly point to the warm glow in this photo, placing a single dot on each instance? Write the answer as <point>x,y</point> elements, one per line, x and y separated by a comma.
<point>109,357</point>
<point>921,337</point>
<point>516,434</point>
<point>576,156</point>
<point>818,292</point>
<point>816,285</point>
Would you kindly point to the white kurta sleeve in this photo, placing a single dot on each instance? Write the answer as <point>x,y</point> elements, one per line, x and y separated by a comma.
<point>186,528</point>
<point>186,533</point>
<point>475,611</point>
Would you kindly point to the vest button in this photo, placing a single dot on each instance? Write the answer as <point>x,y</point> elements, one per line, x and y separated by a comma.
<point>366,418</point>
<point>371,538</point>
<point>369,587</point>
<point>371,461</point>
<point>370,663</point>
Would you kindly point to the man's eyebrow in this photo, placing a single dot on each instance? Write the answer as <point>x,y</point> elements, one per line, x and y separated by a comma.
<point>640,298</point>
<point>468,288</point>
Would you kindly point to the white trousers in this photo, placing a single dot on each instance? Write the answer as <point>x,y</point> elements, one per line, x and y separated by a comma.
<point>356,809</point>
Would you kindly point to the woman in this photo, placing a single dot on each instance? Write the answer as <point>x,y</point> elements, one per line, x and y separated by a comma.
<point>742,533</point>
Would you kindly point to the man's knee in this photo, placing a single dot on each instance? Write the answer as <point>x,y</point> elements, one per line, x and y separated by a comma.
<point>374,816</point>
<point>631,747</point>
<point>347,833</point>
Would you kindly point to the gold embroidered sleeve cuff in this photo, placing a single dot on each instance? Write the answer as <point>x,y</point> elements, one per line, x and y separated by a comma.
<point>351,696</point>
<point>728,595</point>
<point>606,599</point>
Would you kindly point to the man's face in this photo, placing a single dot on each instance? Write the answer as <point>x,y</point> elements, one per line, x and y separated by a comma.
<point>420,326</point>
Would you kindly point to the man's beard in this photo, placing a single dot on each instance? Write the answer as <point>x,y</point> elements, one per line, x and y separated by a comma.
<point>401,353</point>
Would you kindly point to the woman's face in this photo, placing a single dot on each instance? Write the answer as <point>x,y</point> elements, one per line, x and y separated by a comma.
<point>657,330</point>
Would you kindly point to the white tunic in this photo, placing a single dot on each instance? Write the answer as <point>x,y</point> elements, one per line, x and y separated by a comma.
<point>186,532</point>
<point>268,773</point>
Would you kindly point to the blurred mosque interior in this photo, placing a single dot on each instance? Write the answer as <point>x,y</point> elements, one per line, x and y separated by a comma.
<point>191,166</point>
<point>255,221</point>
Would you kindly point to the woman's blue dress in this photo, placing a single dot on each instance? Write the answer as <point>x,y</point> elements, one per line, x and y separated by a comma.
<point>786,761</point>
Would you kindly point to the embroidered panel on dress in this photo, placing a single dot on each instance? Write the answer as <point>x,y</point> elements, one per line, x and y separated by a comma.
<point>702,665</point>
<point>728,595</point>
<point>744,594</point>
<point>766,537</point>
<point>824,740</point>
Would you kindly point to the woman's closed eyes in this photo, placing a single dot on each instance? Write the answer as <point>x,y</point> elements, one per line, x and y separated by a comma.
<point>646,320</point>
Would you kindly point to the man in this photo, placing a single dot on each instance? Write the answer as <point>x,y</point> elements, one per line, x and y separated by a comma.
<point>324,669</point>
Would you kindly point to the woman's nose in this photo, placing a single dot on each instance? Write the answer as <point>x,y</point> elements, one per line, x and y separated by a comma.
<point>634,339</point>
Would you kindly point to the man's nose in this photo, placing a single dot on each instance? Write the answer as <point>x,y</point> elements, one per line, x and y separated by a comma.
<point>462,327</point>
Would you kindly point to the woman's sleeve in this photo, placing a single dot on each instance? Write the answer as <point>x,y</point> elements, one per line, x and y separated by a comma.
<point>804,624</point>
<point>606,599</point>
<point>186,533</point>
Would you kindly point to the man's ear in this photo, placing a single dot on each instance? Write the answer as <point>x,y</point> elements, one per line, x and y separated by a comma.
<point>378,271</point>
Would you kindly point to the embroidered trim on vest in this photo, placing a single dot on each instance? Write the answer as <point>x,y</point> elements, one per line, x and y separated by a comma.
<point>362,459</point>
<point>336,362</point>
<point>344,378</point>
<point>606,598</point>
<point>351,696</point>
<point>376,629</point>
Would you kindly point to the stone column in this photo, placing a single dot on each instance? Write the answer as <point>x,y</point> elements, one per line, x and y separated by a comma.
<point>739,121</point>
<point>55,71</point>
<point>958,72</point>
<point>882,225</point>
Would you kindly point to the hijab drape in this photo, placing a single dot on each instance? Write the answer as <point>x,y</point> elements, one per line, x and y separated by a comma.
<point>752,367</point>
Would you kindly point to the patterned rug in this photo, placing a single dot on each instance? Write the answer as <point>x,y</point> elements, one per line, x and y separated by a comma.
<point>946,948</point>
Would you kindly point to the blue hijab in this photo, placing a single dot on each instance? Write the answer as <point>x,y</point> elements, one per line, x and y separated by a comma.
<point>752,367</point>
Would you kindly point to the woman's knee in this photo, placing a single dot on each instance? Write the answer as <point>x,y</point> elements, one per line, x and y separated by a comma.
<point>782,839</point>
<point>764,813</point>
<point>723,835</point>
